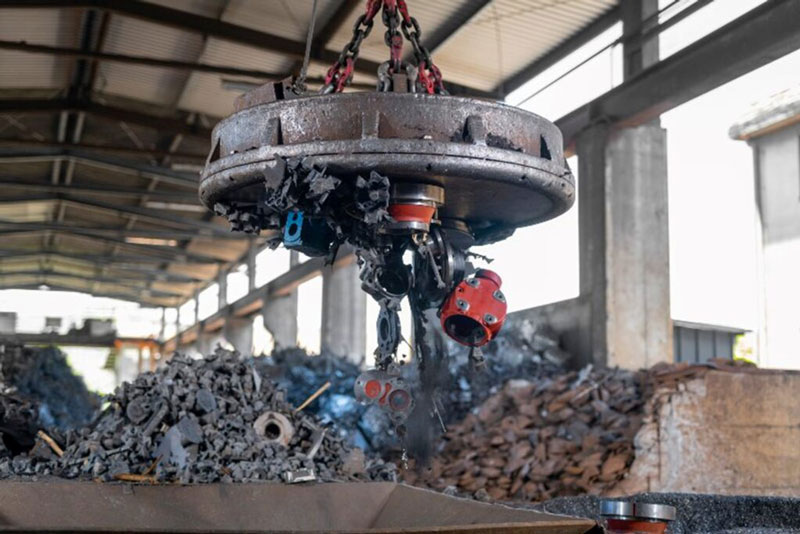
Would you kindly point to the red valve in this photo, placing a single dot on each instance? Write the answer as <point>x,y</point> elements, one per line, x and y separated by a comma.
<point>474,312</point>
<point>389,391</point>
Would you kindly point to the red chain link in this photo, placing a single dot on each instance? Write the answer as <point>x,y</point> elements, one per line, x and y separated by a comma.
<point>341,72</point>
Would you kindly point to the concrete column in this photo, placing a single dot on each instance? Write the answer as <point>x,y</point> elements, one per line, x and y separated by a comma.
<point>280,318</point>
<point>639,326</point>
<point>163,327</point>
<point>205,342</point>
<point>238,331</point>
<point>344,313</point>
<point>624,249</point>
<point>222,284</point>
<point>251,268</point>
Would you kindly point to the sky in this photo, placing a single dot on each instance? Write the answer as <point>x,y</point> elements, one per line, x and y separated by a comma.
<point>711,214</point>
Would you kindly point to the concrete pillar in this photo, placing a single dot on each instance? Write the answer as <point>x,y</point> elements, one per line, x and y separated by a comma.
<point>205,342</point>
<point>238,331</point>
<point>624,249</point>
<point>251,268</point>
<point>222,284</point>
<point>280,318</point>
<point>163,327</point>
<point>637,254</point>
<point>344,313</point>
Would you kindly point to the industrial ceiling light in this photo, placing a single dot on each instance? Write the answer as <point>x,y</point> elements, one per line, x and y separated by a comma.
<point>406,168</point>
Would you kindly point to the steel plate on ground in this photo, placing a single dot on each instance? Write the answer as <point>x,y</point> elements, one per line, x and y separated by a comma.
<point>333,507</point>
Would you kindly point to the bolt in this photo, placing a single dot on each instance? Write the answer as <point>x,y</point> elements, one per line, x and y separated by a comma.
<point>499,295</point>
<point>489,318</point>
<point>462,304</point>
<point>474,282</point>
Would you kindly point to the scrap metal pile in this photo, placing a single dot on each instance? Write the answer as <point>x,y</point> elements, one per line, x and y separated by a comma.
<point>43,376</point>
<point>18,422</point>
<point>38,389</point>
<point>207,420</point>
<point>568,434</point>
<point>407,177</point>
<point>526,350</point>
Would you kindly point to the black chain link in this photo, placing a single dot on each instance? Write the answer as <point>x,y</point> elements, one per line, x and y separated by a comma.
<point>414,37</point>
<point>333,80</point>
<point>396,20</point>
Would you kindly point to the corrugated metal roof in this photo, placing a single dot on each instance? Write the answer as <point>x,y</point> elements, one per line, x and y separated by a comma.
<point>285,18</point>
<point>140,38</point>
<point>54,27</point>
<point>205,93</point>
<point>528,29</point>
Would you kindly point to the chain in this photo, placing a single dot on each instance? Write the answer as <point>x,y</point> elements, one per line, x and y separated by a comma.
<point>396,19</point>
<point>430,77</point>
<point>341,72</point>
<point>393,38</point>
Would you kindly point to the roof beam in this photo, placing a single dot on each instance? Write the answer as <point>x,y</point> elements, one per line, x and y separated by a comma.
<point>338,20</point>
<point>117,281</point>
<point>34,154</point>
<point>10,228</point>
<point>151,274</point>
<point>449,27</point>
<point>202,228</point>
<point>184,20</point>
<point>162,253</point>
<point>539,65</point>
<point>101,148</point>
<point>23,46</point>
<point>139,298</point>
<point>7,183</point>
<point>118,261</point>
<point>158,122</point>
<point>758,37</point>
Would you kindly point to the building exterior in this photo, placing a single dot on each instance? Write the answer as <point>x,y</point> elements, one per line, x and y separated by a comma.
<point>773,132</point>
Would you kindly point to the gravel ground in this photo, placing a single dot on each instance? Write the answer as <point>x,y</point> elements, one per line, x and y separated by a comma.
<point>703,514</point>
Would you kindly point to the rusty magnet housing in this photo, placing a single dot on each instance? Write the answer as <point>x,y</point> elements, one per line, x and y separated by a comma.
<point>501,167</point>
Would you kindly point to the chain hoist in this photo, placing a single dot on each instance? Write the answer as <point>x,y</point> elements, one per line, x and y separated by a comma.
<point>423,76</point>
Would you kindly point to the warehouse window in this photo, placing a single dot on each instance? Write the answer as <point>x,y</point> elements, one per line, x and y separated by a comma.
<point>263,340</point>
<point>209,301</point>
<point>237,283</point>
<point>309,314</point>
<point>582,76</point>
<point>170,314</point>
<point>270,264</point>
<point>187,314</point>
<point>699,24</point>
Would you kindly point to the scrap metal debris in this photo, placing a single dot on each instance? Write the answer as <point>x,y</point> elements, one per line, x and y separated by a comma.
<point>43,376</point>
<point>565,435</point>
<point>201,421</point>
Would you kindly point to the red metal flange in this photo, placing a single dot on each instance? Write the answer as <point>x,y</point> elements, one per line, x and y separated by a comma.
<point>474,312</point>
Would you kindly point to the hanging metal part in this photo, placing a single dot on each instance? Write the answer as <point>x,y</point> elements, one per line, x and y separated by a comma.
<point>412,206</point>
<point>474,313</point>
<point>402,173</point>
<point>387,390</point>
